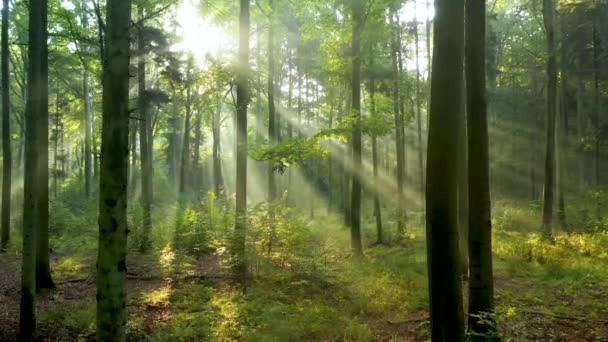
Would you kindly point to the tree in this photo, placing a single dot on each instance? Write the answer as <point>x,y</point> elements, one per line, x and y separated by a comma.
<point>242,93</point>
<point>447,319</point>
<point>377,209</point>
<point>548,20</point>
<point>113,230</point>
<point>398,126</point>
<point>7,161</point>
<point>43,267</point>
<point>272,118</point>
<point>355,208</point>
<point>145,136</point>
<point>88,115</point>
<point>34,106</point>
<point>481,278</point>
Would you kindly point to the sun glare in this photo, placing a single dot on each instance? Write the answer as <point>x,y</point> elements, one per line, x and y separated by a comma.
<point>199,36</point>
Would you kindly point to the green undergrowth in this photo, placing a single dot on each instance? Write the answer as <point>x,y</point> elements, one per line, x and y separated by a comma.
<point>305,285</point>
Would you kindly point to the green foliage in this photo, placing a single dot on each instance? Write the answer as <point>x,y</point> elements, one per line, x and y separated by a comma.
<point>288,152</point>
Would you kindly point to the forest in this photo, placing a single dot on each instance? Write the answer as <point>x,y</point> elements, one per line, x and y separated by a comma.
<point>304,170</point>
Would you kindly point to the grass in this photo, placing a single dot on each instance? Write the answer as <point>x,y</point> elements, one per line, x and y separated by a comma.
<point>307,287</point>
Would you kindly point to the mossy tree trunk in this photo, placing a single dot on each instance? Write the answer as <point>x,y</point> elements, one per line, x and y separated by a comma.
<point>113,230</point>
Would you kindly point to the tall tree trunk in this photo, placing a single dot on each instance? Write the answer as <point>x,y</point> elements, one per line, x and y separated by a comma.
<point>562,132</point>
<point>34,107</point>
<point>447,317</point>
<point>398,129</point>
<point>145,140</point>
<point>88,127</point>
<point>377,209</point>
<point>88,119</point>
<point>218,179</point>
<point>481,278</point>
<point>596,100</point>
<point>355,211</point>
<point>419,115</point>
<point>173,149</point>
<point>113,230</point>
<point>7,159</point>
<point>580,127</point>
<point>43,267</point>
<point>463,190</point>
<point>548,19</point>
<point>272,129</point>
<point>242,90</point>
<point>196,157</point>
<point>184,167</point>
<point>134,125</point>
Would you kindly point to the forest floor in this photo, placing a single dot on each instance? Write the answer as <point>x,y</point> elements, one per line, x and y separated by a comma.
<point>544,292</point>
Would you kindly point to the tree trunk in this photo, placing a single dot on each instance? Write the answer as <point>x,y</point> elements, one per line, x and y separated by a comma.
<point>145,140</point>
<point>419,116</point>
<point>218,179</point>
<point>7,159</point>
<point>562,142</point>
<point>463,190</point>
<point>196,157</point>
<point>88,126</point>
<point>398,130</point>
<point>580,127</point>
<point>447,318</point>
<point>481,278</point>
<point>596,101</point>
<point>113,230</point>
<point>548,19</point>
<point>272,129</point>
<point>183,173</point>
<point>88,119</point>
<point>355,209</point>
<point>34,107</point>
<point>377,209</point>
<point>134,125</point>
<point>43,268</point>
<point>242,90</point>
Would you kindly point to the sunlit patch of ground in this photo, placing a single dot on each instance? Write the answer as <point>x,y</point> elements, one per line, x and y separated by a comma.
<point>544,291</point>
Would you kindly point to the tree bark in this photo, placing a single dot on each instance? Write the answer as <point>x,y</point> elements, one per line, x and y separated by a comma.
<point>218,179</point>
<point>377,209</point>
<point>145,141</point>
<point>7,159</point>
<point>446,310</point>
<point>548,19</point>
<point>88,119</point>
<point>398,130</point>
<point>272,129</point>
<point>43,268</point>
<point>185,165</point>
<point>113,230</point>
<point>481,278</point>
<point>355,221</point>
<point>419,115</point>
<point>34,107</point>
<point>596,100</point>
<point>242,90</point>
